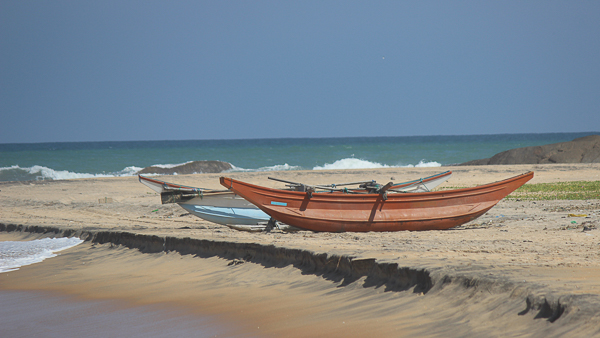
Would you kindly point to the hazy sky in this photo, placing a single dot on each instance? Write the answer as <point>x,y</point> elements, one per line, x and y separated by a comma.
<point>157,70</point>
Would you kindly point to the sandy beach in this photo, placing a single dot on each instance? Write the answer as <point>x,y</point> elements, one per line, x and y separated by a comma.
<point>524,268</point>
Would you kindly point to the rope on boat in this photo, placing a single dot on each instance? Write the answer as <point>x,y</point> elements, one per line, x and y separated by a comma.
<point>425,185</point>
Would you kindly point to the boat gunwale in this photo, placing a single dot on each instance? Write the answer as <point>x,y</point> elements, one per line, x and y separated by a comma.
<point>178,187</point>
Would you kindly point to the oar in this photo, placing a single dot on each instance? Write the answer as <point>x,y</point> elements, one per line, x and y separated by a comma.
<point>320,186</point>
<point>352,183</point>
<point>312,188</point>
<point>284,181</point>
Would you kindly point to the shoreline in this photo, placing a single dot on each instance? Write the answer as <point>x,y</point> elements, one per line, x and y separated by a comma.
<point>518,250</point>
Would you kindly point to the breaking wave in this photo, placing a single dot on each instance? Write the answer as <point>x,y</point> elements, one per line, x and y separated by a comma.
<point>167,166</point>
<point>354,163</point>
<point>16,254</point>
<point>40,173</point>
<point>279,167</point>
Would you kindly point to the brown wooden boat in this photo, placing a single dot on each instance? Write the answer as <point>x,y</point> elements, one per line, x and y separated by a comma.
<point>335,212</point>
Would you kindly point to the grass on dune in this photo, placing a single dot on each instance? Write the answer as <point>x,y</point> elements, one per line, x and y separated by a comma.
<point>576,190</point>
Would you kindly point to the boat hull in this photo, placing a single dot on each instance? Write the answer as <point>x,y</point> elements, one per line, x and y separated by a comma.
<point>217,206</point>
<point>376,212</point>
<point>227,216</point>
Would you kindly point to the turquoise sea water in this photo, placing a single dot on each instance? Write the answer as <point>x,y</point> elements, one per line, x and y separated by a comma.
<point>36,161</point>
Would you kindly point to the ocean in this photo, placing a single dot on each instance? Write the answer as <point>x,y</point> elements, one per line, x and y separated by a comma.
<point>70,160</point>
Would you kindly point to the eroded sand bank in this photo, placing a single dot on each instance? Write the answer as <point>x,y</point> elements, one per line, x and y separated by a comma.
<point>523,263</point>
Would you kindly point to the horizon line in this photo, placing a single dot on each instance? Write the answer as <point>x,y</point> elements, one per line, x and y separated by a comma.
<point>315,138</point>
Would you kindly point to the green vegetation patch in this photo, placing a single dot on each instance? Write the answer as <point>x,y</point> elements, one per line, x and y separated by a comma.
<point>577,190</point>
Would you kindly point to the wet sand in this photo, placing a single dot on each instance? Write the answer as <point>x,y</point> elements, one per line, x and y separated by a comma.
<point>46,314</point>
<point>522,268</point>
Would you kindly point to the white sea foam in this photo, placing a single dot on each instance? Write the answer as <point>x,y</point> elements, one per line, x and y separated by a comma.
<point>129,171</point>
<point>350,163</point>
<point>354,163</point>
<point>16,254</point>
<point>422,164</point>
<point>37,172</point>
<point>278,167</point>
<point>169,166</point>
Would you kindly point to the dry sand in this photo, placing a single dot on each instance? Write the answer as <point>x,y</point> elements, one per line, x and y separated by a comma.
<point>522,268</point>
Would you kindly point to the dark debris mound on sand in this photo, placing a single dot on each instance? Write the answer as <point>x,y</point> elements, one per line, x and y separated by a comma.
<point>581,150</point>
<point>195,167</point>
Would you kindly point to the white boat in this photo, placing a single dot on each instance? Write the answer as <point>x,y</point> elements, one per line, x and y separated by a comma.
<point>217,206</point>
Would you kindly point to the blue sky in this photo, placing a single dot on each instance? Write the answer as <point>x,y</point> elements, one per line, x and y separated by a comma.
<point>169,70</point>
